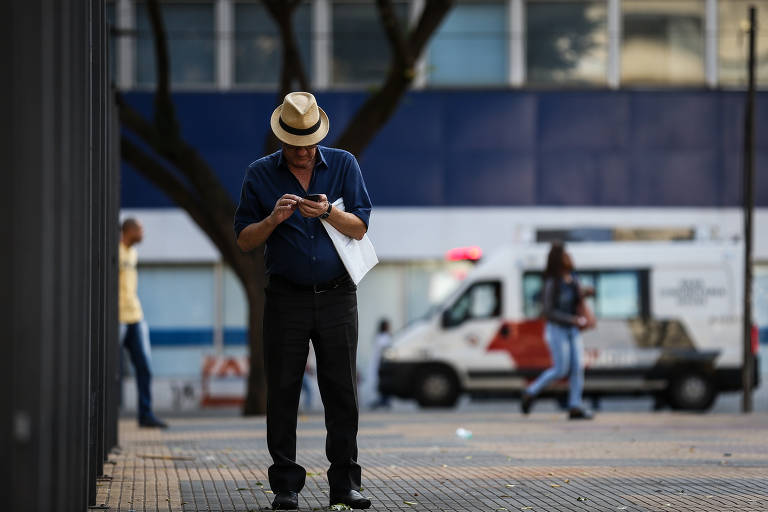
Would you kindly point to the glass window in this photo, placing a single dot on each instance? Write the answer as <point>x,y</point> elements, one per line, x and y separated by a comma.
<point>663,41</point>
<point>471,46</point>
<point>191,42</point>
<point>235,309</point>
<point>258,50</point>
<point>111,39</point>
<point>485,302</point>
<point>532,295</point>
<point>760,294</point>
<point>566,42</point>
<point>617,295</point>
<point>361,52</point>
<point>177,296</point>
<point>481,300</point>
<point>734,41</point>
<point>588,280</point>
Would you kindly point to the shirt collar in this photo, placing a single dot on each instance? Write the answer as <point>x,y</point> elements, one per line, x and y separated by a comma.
<point>320,150</point>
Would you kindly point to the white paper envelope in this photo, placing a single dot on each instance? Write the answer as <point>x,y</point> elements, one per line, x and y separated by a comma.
<point>358,256</point>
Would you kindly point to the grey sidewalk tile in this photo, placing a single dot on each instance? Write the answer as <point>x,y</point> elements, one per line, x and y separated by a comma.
<point>620,462</point>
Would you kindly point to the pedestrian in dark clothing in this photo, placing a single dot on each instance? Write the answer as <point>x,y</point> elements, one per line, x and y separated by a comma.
<point>382,342</point>
<point>564,310</point>
<point>309,294</point>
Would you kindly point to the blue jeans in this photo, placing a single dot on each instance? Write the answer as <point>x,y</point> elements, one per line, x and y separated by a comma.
<point>135,338</point>
<point>567,357</point>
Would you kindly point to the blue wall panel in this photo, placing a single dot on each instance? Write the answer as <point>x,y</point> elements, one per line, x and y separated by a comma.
<point>473,178</point>
<point>569,178</point>
<point>595,121</point>
<point>504,147</point>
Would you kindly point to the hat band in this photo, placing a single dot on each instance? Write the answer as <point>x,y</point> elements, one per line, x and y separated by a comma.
<point>300,131</point>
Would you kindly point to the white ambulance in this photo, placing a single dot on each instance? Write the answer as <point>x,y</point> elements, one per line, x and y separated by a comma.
<point>669,325</point>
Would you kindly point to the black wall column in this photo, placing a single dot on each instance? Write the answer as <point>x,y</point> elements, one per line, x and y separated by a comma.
<point>58,226</point>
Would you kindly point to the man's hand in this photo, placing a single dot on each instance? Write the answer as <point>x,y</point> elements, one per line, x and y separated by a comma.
<point>257,233</point>
<point>313,209</point>
<point>285,207</point>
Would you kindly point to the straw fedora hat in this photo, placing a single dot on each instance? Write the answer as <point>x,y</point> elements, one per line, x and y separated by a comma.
<point>299,121</point>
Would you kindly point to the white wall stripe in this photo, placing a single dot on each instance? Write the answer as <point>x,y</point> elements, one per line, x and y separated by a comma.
<point>401,234</point>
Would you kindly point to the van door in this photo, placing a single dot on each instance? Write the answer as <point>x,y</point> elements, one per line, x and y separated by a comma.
<point>470,323</point>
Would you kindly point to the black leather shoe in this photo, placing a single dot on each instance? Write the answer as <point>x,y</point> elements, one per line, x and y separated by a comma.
<point>577,413</point>
<point>350,498</point>
<point>286,500</point>
<point>526,402</point>
<point>152,423</point>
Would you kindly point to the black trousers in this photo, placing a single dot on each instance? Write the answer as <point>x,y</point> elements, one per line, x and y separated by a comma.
<point>291,318</point>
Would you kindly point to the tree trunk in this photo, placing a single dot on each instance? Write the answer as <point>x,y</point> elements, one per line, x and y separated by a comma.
<point>256,397</point>
<point>201,193</point>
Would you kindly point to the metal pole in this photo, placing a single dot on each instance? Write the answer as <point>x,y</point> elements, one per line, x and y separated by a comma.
<point>749,201</point>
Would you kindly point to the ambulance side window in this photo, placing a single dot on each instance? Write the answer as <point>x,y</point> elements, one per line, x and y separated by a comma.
<point>618,293</point>
<point>532,294</point>
<point>481,300</point>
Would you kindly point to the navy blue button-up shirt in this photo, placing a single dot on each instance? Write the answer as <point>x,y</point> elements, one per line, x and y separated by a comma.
<point>299,249</point>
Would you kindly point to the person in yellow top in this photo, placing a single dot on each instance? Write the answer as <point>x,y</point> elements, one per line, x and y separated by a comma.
<point>134,334</point>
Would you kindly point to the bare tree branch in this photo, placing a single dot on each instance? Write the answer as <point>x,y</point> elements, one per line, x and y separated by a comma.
<point>134,121</point>
<point>164,180</point>
<point>400,50</point>
<point>431,18</point>
<point>165,114</point>
<point>167,143</point>
<point>292,67</point>
<point>380,106</point>
<point>178,170</point>
<point>168,160</point>
<point>182,156</point>
<point>217,225</point>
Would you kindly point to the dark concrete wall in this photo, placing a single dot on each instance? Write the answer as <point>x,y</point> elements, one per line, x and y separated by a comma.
<point>58,218</point>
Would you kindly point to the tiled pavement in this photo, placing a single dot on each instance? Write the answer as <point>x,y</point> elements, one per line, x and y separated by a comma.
<point>415,461</point>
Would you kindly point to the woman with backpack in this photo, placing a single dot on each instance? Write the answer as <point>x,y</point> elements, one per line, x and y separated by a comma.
<point>566,314</point>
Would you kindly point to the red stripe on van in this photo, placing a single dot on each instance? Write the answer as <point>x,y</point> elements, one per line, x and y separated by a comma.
<point>524,341</point>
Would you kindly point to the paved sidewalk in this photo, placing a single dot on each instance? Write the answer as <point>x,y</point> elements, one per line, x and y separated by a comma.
<point>627,461</point>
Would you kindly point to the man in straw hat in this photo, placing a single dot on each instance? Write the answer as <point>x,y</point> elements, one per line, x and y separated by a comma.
<point>309,294</point>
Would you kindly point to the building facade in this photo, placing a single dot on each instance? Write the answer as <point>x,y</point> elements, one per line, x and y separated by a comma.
<point>526,118</point>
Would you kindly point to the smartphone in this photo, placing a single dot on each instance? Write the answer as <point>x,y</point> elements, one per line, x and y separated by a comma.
<point>314,197</point>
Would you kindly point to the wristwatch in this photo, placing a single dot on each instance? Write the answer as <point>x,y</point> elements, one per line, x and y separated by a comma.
<point>327,212</point>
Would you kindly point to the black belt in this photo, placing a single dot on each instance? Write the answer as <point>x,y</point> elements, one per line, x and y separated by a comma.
<point>315,288</point>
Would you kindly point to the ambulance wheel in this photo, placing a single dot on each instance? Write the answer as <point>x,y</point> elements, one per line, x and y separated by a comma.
<point>437,387</point>
<point>692,391</point>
